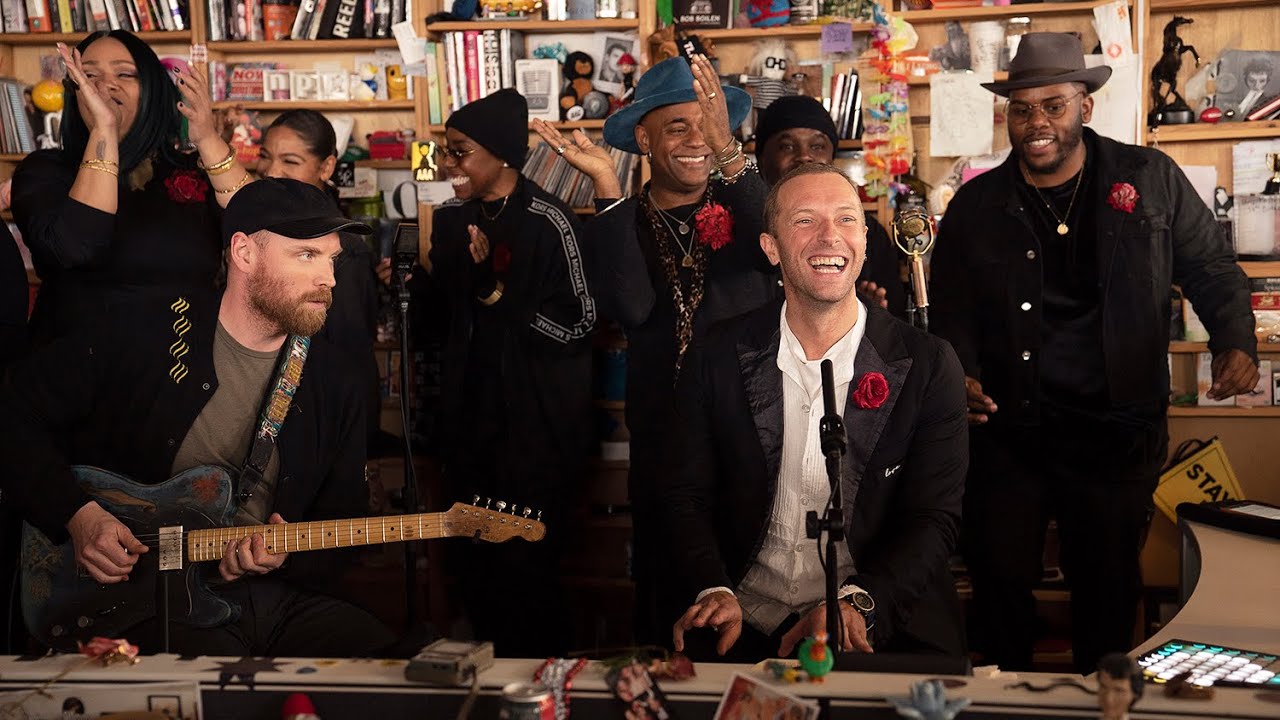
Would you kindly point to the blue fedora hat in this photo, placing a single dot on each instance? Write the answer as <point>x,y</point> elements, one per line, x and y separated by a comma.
<point>668,83</point>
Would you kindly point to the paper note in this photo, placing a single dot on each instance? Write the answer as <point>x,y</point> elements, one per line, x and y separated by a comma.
<point>412,48</point>
<point>1115,105</point>
<point>837,37</point>
<point>1249,165</point>
<point>961,114</point>
<point>1204,178</point>
<point>1115,37</point>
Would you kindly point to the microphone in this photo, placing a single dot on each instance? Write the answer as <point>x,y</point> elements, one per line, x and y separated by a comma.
<point>831,427</point>
<point>914,234</point>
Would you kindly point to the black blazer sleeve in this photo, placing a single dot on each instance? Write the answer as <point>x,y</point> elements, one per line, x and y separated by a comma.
<point>61,233</point>
<point>897,566</point>
<point>49,394</point>
<point>616,264</point>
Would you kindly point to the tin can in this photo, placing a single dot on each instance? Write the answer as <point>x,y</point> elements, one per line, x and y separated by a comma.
<point>527,701</point>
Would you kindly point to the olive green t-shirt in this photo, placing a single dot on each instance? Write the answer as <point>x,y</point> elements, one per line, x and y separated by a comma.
<point>223,432</point>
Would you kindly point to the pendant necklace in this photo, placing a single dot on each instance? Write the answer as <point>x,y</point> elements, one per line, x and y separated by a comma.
<point>667,217</point>
<point>1063,229</point>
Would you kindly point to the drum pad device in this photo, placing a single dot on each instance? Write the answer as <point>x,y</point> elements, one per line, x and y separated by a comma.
<point>450,662</point>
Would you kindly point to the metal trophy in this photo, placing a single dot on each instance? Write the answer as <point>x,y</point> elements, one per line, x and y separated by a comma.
<point>914,233</point>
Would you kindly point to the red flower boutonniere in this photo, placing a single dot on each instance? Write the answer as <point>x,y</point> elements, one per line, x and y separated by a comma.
<point>715,225</point>
<point>872,391</point>
<point>1123,197</point>
<point>186,186</point>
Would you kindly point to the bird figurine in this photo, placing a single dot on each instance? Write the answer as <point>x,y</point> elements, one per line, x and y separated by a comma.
<point>928,701</point>
<point>815,657</point>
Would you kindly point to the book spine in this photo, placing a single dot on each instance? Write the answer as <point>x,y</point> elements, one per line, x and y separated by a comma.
<point>38,16</point>
<point>492,62</point>
<point>471,61</point>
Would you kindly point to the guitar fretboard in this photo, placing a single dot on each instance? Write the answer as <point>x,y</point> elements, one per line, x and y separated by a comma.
<point>210,544</point>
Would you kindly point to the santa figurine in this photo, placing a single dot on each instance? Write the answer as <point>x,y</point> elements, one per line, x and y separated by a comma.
<point>298,707</point>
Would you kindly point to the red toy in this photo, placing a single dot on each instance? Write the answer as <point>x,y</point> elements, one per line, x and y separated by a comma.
<point>389,144</point>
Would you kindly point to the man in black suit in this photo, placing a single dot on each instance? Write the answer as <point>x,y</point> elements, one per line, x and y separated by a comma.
<point>746,461</point>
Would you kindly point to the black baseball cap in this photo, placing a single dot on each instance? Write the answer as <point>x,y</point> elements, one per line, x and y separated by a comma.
<point>285,207</point>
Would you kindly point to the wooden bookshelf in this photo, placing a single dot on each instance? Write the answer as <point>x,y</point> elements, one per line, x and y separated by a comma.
<point>915,80</point>
<point>558,26</point>
<point>320,105</point>
<point>385,164</point>
<point>1201,132</point>
<point>968,14</point>
<point>1266,411</point>
<point>1260,269</point>
<point>570,125</point>
<point>1182,346</point>
<point>1181,5</point>
<point>811,30</point>
<point>245,47</point>
<point>12,157</point>
<point>153,37</point>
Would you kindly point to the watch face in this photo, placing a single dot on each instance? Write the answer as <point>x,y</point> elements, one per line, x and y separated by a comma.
<point>862,601</point>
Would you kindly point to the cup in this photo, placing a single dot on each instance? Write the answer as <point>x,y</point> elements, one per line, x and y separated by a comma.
<point>986,41</point>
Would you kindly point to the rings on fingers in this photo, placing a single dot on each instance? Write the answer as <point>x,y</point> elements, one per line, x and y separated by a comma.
<point>711,95</point>
<point>560,150</point>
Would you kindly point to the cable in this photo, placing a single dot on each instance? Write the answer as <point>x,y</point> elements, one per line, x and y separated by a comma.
<point>464,712</point>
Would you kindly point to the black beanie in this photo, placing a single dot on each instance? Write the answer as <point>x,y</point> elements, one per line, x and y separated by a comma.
<point>498,123</point>
<point>794,111</point>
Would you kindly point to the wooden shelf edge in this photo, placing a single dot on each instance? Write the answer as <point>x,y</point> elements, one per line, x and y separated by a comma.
<point>245,47</point>
<point>13,157</point>
<point>571,125</point>
<point>1180,5</point>
<point>999,11</point>
<point>807,30</point>
<point>321,105</point>
<point>384,164</point>
<point>1208,132</point>
<point>1184,346</point>
<point>915,80</point>
<point>1260,268</point>
<point>177,36</point>
<point>537,25</point>
<point>1226,411</point>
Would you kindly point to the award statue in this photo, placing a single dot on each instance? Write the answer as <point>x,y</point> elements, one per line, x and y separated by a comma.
<point>1167,106</point>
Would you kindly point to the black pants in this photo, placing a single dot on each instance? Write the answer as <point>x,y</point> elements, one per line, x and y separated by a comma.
<point>1096,480</point>
<point>276,620</point>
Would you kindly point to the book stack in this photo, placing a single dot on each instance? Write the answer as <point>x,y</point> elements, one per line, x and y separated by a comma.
<point>17,136</point>
<point>479,63</point>
<point>844,101</point>
<point>554,174</point>
<point>67,16</point>
<point>310,20</point>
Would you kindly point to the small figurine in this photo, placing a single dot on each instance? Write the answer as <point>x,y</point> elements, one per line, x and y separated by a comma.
<point>1167,106</point>
<point>928,701</point>
<point>768,76</point>
<point>1119,686</point>
<point>815,657</point>
<point>578,69</point>
<point>397,83</point>
<point>627,67</point>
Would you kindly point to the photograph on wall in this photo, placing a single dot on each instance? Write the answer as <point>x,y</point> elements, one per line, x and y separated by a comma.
<point>609,51</point>
<point>1247,80</point>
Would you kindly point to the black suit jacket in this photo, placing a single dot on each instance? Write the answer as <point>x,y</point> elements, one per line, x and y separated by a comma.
<point>903,476</point>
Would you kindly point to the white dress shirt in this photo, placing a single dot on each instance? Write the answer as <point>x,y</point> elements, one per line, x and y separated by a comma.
<point>786,576</point>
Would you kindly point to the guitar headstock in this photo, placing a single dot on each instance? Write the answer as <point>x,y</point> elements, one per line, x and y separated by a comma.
<point>493,524</point>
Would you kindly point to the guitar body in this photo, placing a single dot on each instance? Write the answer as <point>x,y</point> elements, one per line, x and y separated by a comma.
<point>62,604</point>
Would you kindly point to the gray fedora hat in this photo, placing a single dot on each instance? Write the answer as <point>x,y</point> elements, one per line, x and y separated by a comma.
<point>1046,58</point>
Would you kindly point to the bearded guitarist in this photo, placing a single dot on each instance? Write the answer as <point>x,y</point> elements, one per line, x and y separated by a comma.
<point>212,381</point>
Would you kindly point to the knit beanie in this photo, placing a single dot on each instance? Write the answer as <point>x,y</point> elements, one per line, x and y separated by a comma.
<point>794,111</point>
<point>498,123</point>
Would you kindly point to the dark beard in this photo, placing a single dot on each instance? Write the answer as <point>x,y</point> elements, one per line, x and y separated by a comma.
<point>1067,146</point>
<point>268,297</point>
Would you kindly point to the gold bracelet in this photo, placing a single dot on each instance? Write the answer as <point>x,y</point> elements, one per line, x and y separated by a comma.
<point>243,181</point>
<point>729,154</point>
<point>222,166</point>
<point>494,296</point>
<point>105,166</point>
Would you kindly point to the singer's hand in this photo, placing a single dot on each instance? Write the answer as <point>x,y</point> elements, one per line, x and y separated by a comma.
<point>874,293</point>
<point>980,406</point>
<point>385,272</point>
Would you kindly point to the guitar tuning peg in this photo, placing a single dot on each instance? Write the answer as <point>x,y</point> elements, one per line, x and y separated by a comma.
<point>539,516</point>
<point>526,512</point>
<point>501,505</point>
<point>487,502</point>
<point>475,499</point>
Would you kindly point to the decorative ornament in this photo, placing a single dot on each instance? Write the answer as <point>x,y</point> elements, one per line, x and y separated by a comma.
<point>871,392</point>
<point>1123,197</point>
<point>714,225</point>
<point>928,700</point>
<point>815,657</point>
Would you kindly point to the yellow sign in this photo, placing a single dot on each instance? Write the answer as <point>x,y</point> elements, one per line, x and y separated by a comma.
<point>1205,476</point>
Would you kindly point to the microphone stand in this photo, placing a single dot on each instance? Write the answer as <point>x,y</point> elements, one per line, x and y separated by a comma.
<point>410,492</point>
<point>913,233</point>
<point>832,437</point>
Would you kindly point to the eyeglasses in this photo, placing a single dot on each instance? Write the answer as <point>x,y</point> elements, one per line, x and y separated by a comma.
<point>1019,113</point>
<point>457,154</point>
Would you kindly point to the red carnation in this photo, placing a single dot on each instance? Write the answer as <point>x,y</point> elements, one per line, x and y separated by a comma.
<point>1123,197</point>
<point>186,186</point>
<point>872,391</point>
<point>715,226</point>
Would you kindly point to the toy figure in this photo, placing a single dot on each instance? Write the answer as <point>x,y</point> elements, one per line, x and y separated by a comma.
<point>928,701</point>
<point>397,83</point>
<point>578,69</point>
<point>768,13</point>
<point>1167,106</point>
<point>815,657</point>
<point>627,67</point>
<point>1119,686</point>
<point>768,76</point>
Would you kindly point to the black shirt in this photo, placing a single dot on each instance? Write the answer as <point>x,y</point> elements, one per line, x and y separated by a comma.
<point>89,260</point>
<point>1072,364</point>
<point>13,300</point>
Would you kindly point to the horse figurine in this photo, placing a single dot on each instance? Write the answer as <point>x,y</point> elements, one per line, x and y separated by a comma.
<point>1167,106</point>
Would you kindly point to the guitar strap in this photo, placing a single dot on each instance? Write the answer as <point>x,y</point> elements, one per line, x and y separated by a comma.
<point>274,410</point>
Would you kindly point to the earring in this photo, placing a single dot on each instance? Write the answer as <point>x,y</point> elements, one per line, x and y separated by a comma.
<point>505,165</point>
<point>649,155</point>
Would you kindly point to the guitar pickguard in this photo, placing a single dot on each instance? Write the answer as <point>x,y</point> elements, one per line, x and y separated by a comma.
<point>61,604</point>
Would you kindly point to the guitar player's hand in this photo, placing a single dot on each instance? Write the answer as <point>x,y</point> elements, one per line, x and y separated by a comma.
<point>104,546</point>
<point>249,556</point>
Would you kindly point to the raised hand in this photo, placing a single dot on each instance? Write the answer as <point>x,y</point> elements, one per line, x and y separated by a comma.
<point>583,155</point>
<point>715,111</point>
<point>103,112</point>
<point>196,105</point>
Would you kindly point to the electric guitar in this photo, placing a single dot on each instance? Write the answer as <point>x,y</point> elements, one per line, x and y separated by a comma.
<point>185,521</point>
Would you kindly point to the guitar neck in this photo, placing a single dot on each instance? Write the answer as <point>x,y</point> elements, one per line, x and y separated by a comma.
<point>210,544</point>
